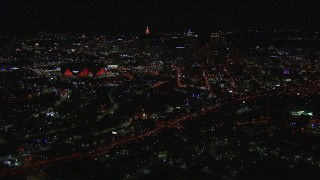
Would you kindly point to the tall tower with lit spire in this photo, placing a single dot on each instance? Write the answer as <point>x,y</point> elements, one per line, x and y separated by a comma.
<point>147,32</point>
<point>147,38</point>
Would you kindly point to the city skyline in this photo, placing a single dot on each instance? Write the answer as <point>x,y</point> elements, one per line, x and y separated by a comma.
<point>130,17</point>
<point>142,89</point>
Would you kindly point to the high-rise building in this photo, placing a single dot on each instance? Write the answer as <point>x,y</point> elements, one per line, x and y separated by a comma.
<point>147,38</point>
<point>191,40</point>
<point>147,32</point>
<point>190,33</point>
<point>217,50</point>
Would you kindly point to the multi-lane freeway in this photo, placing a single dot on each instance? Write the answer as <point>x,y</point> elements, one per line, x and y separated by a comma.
<point>160,126</point>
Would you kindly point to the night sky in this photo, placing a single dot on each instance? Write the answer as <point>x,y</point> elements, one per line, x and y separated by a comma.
<point>132,16</point>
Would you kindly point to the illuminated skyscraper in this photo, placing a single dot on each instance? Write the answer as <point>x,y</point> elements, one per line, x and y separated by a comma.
<point>216,48</point>
<point>147,38</point>
<point>189,33</point>
<point>147,31</point>
<point>191,40</point>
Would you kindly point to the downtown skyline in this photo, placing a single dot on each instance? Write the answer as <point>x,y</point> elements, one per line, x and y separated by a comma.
<point>131,17</point>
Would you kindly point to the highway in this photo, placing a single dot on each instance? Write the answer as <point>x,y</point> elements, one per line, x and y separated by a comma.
<point>160,126</point>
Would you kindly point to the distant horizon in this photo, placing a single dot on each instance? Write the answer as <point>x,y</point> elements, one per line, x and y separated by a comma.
<point>131,17</point>
<point>155,32</point>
